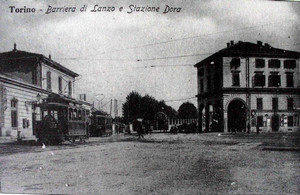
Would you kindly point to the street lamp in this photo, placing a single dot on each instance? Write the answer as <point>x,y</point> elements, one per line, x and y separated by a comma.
<point>38,97</point>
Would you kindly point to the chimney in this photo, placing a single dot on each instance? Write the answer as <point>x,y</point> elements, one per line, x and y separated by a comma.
<point>231,43</point>
<point>228,44</point>
<point>50,56</point>
<point>15,47</point>
<point>259,43</point>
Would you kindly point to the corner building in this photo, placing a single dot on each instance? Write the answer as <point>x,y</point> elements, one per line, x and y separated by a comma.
<point>25,79</point>
<point>249,83</point>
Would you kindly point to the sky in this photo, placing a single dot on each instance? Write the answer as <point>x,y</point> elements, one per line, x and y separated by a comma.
<point>149,52</point>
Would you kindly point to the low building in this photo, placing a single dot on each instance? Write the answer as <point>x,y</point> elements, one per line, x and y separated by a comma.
<point>249,86</point>
<point>25,79</point>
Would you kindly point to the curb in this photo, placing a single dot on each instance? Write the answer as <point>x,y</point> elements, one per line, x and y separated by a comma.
<point>281,148</point>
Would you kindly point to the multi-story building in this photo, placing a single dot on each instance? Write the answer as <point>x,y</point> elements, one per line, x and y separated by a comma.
<point>249,85</point>
<point>25,79</point>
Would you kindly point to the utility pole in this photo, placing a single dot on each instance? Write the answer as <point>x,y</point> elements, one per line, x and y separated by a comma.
<point>116,108</point>
<point>110,107</point>
<point>248,95</point>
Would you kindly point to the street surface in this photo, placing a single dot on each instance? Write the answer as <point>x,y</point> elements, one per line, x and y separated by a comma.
<point>158,164</point>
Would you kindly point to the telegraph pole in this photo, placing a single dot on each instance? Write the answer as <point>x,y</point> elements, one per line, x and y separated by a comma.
<point>110,107</point>
<point>248,95</point>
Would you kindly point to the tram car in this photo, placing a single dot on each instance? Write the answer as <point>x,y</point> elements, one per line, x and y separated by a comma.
<point>59,118</point>
<point>101,124</point>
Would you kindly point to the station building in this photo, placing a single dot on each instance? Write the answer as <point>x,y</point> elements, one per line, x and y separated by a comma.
<point>25,79</point>
<point>249,85</point>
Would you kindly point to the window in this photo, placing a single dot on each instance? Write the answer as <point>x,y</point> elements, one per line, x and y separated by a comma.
<point>290,103</point>
<point>70,114</point>
<point>274,80</point>
<point>274,63</point>
<point>289,79</point>
<point>259,102</point>
<point>217,82</point>
<point>289,64</point>
<point>296,120</point>
<point>235,79</point>
<point>208,83</point>
<point>259,121</point>
<point>34,76</point>
<point>235,63</point>
<point>200,72</point>
<point>59,85</point>
<point>259,79</point>
<point>275,103</point>
<point>75,114</point>
<point>79,114</point>
<point>290,121</point>
<point>48,80</point>
<point>14,113</point>
<point>70,88</point>
<point>201,86</point>
<point>259,63</point>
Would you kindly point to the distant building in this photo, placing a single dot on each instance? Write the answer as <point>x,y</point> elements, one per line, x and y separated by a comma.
<point>25,79</point>
<point>247,83</point>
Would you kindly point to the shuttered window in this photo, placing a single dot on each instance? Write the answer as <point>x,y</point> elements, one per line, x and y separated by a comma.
<point>59,85</point>
<point>70,88</point>
<point>14,113</point>
<point>49,80</point>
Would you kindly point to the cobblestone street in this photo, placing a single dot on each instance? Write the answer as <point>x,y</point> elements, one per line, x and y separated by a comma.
<point>158,164</point>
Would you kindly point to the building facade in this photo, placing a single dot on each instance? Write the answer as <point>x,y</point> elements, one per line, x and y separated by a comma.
<point>25,79</point>
<point>248,86</point>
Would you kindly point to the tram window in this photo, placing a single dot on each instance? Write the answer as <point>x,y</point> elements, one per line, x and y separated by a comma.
<point>83,115</point>
<point>75,115</point>
<point>45,113</point>
<point>55,114</point>
<point>70,114</point>
<point>79,114</point>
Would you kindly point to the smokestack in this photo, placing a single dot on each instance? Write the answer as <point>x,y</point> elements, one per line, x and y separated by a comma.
<point>15,47</point>
<point>228,44</point>
<point>231,43</point>
<point>50,56</point>
<point>259,43</point>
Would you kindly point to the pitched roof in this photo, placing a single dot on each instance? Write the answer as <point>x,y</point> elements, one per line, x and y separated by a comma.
<point>19,55</point>
<point>247,49</point>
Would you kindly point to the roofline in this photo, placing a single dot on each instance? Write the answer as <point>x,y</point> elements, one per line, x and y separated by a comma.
<point>48,61</point>
<point>59,67</point>
<point>224,53</point>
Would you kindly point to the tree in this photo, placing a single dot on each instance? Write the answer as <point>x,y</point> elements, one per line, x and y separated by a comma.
<point>145,107</point>
<point>187,110</point>
<point>132,106</point>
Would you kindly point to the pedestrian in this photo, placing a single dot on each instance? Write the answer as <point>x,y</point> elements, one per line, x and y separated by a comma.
<point>257,129</point>
<point>248,128</point>
<point>234,131</point>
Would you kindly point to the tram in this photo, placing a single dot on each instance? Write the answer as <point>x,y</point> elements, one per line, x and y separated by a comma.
<point>59,118</point>
<point>101,124</point>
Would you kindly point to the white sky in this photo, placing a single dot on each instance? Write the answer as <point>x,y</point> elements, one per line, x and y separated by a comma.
<point>114,52</point>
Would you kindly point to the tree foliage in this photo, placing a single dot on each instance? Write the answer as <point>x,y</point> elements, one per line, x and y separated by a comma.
<point>187,110</point>
<point>146,107</point>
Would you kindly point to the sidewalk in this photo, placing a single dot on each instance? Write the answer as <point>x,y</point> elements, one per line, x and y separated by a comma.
<point>7,139</point>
